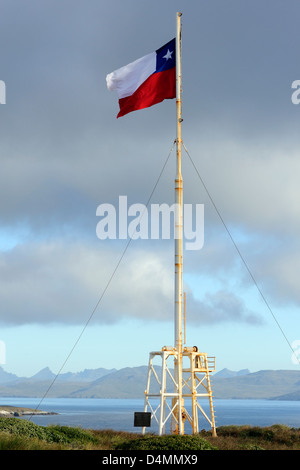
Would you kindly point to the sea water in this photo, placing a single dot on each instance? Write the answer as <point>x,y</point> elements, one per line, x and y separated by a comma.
<point>118,414</point>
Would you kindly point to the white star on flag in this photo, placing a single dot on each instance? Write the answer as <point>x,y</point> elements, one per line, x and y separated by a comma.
<point>168,55</point>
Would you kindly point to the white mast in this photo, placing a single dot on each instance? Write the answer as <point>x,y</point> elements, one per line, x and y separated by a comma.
<point>178,232</point>
<point>178,200</point>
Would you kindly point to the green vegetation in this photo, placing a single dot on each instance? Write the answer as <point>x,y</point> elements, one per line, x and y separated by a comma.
<point>23,431</point>
<point>21,434</point>
<point>166,443</point>
<point>276,437</point>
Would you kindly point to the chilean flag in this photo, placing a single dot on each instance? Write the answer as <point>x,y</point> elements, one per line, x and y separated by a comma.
<point>146,81</point>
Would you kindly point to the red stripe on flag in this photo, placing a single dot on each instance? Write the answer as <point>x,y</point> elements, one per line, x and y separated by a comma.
<point>158,87</point>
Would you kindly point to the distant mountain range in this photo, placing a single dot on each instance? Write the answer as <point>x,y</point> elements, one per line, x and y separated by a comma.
<point>130,382</point>
<point>88,375</point>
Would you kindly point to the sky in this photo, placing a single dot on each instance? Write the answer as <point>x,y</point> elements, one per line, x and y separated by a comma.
<point>70,301</point>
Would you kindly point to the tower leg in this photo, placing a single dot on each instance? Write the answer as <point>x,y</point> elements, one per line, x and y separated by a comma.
<point>212,413</point>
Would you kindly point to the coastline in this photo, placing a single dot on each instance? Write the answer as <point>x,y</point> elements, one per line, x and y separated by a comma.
<point>7,411</point>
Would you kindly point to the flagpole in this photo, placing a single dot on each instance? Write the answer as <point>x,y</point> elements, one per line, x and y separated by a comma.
<point>178,237</point>
<point>197,365</point>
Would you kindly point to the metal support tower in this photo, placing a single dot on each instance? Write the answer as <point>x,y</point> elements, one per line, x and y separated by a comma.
<point>162,397</point>
<point>173,387</point>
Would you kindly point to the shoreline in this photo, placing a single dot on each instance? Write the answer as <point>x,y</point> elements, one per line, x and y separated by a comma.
<point>8,411</point>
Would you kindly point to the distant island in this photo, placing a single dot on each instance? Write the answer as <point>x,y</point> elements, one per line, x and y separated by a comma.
<point>130,382</point>
<point>7,411</point>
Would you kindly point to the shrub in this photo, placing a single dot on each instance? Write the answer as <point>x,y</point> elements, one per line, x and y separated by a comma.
<point>53,434</point>
<point>252,447</point>
<point>20,427</point>
<point>166,443</point>
<point>275,435</point>
<point>231,430</point>
<point>68,435</point>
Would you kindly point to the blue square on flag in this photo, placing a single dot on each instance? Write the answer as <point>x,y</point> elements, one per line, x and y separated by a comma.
<point>166,56</point>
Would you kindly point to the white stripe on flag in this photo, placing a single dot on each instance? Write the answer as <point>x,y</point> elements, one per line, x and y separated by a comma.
<point>126,80</point>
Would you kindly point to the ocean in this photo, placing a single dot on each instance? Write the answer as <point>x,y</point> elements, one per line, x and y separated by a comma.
<point>118,414</point>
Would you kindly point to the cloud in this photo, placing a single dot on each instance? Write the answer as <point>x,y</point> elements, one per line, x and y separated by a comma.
<point>221,306</point>
<point>253,186</point>
<point>58,283</point>
<point>62,283</point>
<point>63,153</point>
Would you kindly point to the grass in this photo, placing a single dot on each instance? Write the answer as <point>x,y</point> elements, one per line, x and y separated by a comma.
<point>276,437</point>
<point>20,434</point>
